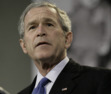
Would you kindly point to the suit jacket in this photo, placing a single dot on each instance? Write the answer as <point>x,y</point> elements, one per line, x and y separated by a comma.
<point>77,79</point>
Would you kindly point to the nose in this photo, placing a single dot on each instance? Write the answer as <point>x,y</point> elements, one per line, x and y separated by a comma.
<point>41,31</point>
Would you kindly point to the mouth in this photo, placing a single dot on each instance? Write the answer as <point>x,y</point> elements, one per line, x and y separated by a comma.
<point>42,43</point>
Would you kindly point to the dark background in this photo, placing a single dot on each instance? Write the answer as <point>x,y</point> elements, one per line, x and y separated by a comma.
<point>14,65</point>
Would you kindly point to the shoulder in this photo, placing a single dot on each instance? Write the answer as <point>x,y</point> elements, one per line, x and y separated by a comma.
<point>25,91</point>
<point>28,89</point>
<point>93,78</point>
<point>88,70</point>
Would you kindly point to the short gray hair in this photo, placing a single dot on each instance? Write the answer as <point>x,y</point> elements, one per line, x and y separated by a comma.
<point>63,17</point>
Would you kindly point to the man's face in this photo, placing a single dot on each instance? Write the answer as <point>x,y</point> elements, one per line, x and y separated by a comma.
<point>43,37</point>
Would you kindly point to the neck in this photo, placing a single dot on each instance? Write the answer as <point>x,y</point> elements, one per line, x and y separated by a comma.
<point>44,69</point>
<point>45,66</point>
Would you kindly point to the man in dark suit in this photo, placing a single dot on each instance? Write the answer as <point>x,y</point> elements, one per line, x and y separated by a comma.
<point>45,35</point>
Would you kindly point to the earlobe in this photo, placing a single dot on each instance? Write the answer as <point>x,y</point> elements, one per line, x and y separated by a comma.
<point>23,46</point>
<point>69,37</point>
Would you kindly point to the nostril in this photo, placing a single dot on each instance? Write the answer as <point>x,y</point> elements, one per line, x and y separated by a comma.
<point>41,34</point>
<point>44,34</point>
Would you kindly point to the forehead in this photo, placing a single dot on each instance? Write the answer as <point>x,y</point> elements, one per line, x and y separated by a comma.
<point>40,12</point>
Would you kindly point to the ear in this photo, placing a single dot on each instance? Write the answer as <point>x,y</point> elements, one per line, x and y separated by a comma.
<point>23,46</point>
<point>68,41</point>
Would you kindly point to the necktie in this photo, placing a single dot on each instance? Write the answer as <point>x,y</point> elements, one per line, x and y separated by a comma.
<point>40,89</point>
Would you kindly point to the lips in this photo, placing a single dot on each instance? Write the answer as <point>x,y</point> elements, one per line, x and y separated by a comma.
<point>42,43</point>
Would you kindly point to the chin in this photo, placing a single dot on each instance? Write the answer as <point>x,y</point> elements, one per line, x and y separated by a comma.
<point>43,56</point>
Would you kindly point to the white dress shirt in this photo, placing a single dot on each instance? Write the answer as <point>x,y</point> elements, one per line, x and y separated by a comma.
<point>52,75</point>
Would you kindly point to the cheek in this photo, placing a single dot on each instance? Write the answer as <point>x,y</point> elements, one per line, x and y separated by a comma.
<point>60,40</point>
<point>28,44</point>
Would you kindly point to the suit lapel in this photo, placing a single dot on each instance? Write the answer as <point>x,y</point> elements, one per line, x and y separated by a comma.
<point>66,81</point>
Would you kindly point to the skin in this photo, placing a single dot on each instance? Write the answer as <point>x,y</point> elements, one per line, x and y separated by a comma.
<point>44,40</point>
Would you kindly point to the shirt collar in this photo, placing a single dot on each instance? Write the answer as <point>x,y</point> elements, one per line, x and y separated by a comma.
<point>53,74</point>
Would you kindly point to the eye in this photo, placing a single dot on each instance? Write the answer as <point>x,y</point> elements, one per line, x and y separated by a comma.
<point>50,24</point>
<point>32,27</point>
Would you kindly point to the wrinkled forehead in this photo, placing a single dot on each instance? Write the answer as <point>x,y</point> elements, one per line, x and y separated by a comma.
<point>41,10</point>
<point>40,14</point>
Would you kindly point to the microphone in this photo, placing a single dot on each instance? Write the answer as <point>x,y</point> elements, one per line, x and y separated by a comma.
<point>3,91</point>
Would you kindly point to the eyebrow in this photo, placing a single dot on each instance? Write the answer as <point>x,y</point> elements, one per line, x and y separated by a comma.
<point>44,20</point>
<point>49,20</point>
<point>30,23</point>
